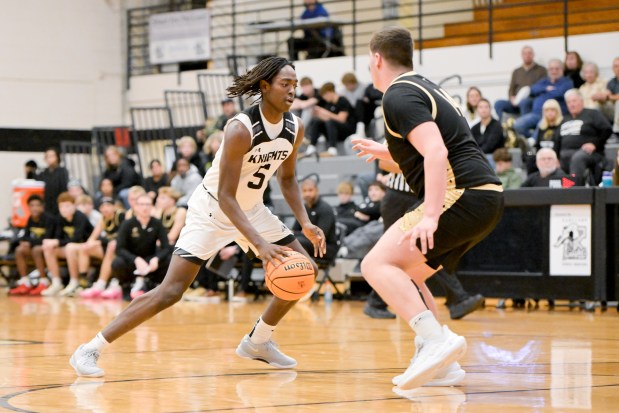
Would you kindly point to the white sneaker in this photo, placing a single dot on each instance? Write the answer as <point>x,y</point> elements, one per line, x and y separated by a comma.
<point>70,290</point>
<point>311,149</point>
<point>445,377</point>
<point>85,362</point>
<point>265,352</point>
<point>54,289</point>
<point>433,356</point>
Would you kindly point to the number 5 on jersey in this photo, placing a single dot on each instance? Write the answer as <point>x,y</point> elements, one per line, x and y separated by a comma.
<point>260,176</point>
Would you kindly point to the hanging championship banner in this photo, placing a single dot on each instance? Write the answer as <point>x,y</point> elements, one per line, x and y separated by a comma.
<point>180,37</point>
<point>570,240</point>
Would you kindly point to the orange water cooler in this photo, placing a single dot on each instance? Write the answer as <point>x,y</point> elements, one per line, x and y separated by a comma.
<point>22,190</point>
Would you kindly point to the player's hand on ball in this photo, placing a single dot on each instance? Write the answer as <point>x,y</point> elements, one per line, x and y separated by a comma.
<point>424,231</point>
<point>272,253</point>
<point>318,239</point>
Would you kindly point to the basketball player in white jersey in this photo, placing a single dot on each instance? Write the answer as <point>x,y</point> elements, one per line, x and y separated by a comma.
<point>228,207</point>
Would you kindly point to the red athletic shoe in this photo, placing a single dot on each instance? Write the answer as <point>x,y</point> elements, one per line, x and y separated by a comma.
<point>37,290</point>
<point>21,289</point>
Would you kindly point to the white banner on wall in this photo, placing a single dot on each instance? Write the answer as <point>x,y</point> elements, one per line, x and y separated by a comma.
<point>180,37</point>
<point>570,240</point>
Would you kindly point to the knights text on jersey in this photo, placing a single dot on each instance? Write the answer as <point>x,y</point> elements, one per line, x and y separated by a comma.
<point>411,100</point>
<point>261,161</point>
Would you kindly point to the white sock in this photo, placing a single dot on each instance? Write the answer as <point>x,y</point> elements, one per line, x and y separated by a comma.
<point>73,283</point>
<point>56,282</point>
<point>98,343</point>
<point>425,326</point>
<point>261,333</point>
<point>99,285</point>
<point>138,284</point>
<point>43,281</point>
<point>24,281</point>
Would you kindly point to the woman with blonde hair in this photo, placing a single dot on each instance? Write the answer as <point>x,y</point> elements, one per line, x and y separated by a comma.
<point>211,146</point>
<point>171,216</point>
<point>594,89</point>
<point>187,148</point>
<point>551,119</point>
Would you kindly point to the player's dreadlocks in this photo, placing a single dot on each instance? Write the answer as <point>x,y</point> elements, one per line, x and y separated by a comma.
<point>249,83</point>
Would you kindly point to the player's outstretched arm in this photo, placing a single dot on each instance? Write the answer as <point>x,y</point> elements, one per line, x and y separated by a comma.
<point>286,176</point>
<point>372,148</point>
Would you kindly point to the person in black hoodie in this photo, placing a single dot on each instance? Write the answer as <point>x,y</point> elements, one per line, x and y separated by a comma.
<point>40,226</point>
<point>72,227</point>
<point>488,131</point>
<point>120,171</point>
<point>56,179</point>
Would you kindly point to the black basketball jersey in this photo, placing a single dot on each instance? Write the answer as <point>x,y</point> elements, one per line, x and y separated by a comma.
<point>110,226</point>
<point>411,100</point>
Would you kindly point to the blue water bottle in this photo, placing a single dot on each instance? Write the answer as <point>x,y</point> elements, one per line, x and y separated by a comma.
<point>607,179</point>
<point>328,293</point>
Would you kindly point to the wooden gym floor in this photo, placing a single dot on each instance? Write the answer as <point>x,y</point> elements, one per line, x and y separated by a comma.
<point>183,361</point>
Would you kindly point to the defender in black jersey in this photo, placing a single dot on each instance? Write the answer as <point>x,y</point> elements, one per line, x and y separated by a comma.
<point>461,201</point>
<point>257,143</point>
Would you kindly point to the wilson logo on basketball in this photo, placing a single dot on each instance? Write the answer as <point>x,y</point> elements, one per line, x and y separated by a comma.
<point>298,265</point>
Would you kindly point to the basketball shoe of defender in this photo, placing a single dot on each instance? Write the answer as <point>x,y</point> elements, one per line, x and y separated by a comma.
<point>445,377</point>
<point>84,362</point>
<point>265,352</point>
<point>433,356</point>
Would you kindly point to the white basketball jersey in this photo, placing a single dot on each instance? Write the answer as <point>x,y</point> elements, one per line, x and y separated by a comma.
<point>265,156</point>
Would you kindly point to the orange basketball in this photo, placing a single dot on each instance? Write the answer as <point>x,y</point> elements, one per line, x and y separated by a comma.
<point>290,279</point>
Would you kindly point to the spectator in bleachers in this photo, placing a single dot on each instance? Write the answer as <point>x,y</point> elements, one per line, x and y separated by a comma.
<point>510,177</point>
<point>142,249</point>
<point>314,40</point>
<point>186,180</point>
<point>549,174</point>
<point>188,149</point>
<point>524,76</point>
<point>345,210</point>
<point>336,121</point>
<point>158,178</point>
<point>132,197</point>
<point>353,90</point>
<point>102,245</point>
<point>612,95</point>
<point>320,214</point>
<point>552,87</point>
<point>72,228</point>
<point>121,172</point>
<point>75,188</point>
<point>40,225</point>
<point>469,109</point>
<point>172,217</point>
<point>581,139</point>
<point>228,110</point>
<point>211,146</point>
<point>106,190</point>
<point>572,68</point>
<point>369,210</point>
<point>86,206</point>
<point>56,179</point>
<point>30,169</point>
<point>488,132</point>
<point>366,107</point>
<point>303,105</point>
<point>545,133</point>
<point>594,89</point>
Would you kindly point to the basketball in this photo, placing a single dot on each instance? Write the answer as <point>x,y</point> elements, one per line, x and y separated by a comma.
<point>290,279</point>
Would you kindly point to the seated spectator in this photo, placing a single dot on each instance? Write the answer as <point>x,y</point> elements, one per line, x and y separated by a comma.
<point>142,249</point>
<point>86,206</point>
<point>211,146</point>
<point>315,41</point>
<point>366,107</point>
<point>572,68</point>
<point>102,245</point>
<point>549,174</point>
<point>228,112</point>
<point>30,169</point>
<point>545,132</point>
<point>320,214</point>
<point>39,227</point>
<point>72,229</point>
<point>473,96</point>
<point>369,210</point>
<point>612,95</point>
<point>132,197</point>
<point>157,179</point>
<point>187,148</point>
<point>56,179</point>
<point>303,105</point>
<point>106,190</point>
<point>593,90</point>
<point>353,91</point>
<point>75,188</point>
<point>186,180</point>
<point>121,172</point>
<point>488,131</point>
<point>524,76</point>
<point>581,139</point>
<point>510,177</point>
<point>336,121</point>
<point>171,216</point>
<point>345,211</point>
<point>552,87</point>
